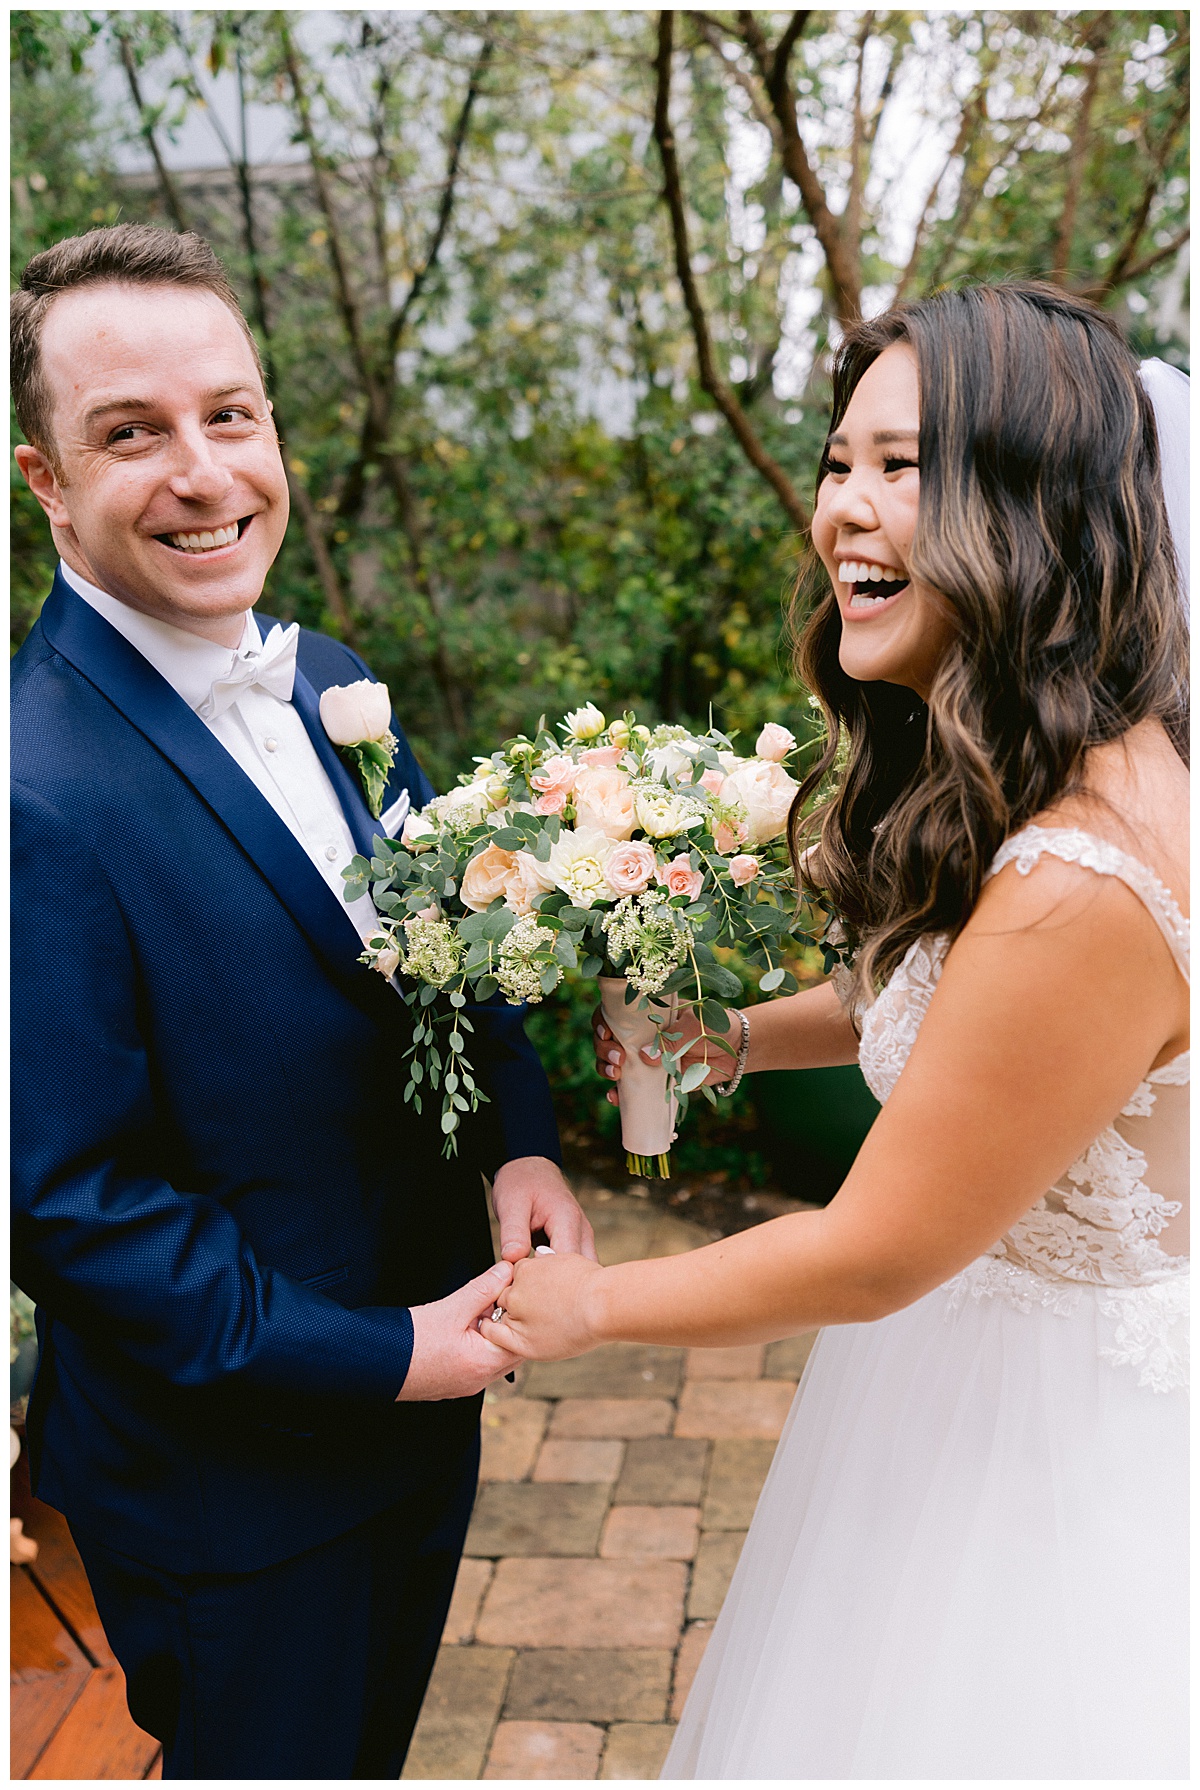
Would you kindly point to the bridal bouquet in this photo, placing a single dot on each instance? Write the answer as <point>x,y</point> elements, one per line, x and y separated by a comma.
<point>631,854</point>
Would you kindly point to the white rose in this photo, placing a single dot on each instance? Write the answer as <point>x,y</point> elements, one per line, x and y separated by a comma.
<point>418,833</point>
<point>352,713</point>
<point>672,758</point>
<point>764,791</point>
<point>464,806</point>
<point>577,860</point>
<point>661,813</point>
<point>775,742</point>
<point>584,723</point>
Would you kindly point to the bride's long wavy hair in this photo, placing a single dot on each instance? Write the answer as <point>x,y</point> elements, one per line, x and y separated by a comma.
<point>1041,520</point>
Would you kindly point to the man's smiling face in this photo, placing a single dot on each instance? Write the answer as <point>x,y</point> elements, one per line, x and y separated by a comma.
<point>169,491</point>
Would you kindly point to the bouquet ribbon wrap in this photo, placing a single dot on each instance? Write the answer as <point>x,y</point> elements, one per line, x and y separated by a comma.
<point>647,1111</point>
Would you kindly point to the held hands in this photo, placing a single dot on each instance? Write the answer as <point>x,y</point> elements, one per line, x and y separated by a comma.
<point>452,1357</point>
<point>551,1309</point>
<point>610,1057</point>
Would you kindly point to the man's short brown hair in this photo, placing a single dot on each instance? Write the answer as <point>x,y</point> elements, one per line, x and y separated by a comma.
<point>118,254</point>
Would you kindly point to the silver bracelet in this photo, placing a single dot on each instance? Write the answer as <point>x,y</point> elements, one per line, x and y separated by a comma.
<point>739,1068</point>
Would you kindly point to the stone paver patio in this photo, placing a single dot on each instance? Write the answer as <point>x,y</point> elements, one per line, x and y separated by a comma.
<point>616,1492</point>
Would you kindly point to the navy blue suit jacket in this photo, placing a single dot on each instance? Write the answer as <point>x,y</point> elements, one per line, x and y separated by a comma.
<point>222,1207</point>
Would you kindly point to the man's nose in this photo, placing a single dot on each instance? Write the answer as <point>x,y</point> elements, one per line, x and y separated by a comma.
<point>199,474</point>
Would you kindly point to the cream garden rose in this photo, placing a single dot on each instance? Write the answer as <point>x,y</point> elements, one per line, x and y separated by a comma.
<point>354,713</point>
<point>526,881</point>
<point>418,833</point>
<point>577,862</point>
<point>764,792</point>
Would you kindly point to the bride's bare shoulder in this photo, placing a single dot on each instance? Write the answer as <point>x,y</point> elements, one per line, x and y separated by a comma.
<point>1135,796</point>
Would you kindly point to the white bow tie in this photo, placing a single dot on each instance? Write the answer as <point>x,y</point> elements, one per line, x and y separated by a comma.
<point>272,667</point>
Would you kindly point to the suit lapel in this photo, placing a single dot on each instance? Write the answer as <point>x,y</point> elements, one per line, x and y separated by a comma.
<point>107,660</point>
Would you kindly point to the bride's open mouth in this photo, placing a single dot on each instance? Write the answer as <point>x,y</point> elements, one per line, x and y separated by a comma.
<point>196,543</point>
<point>872,586</point>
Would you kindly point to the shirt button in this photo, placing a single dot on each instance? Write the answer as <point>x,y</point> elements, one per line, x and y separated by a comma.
<point>271,745</point>
<point>331,852</point>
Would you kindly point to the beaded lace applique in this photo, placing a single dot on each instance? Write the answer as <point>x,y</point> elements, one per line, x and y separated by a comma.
<point>1099,1225</point>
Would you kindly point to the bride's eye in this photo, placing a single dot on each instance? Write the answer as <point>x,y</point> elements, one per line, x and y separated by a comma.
<point>897,465</point>
<point>838,468</point>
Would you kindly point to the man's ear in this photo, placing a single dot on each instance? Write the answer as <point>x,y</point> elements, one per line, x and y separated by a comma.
<point>42,480</point>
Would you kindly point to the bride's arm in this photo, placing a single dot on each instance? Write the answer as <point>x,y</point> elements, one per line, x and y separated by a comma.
<point>1053,1004</point>
<point>809,1030</point>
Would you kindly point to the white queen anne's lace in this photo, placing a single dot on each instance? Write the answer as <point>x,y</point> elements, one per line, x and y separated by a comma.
<point>1100,1223</point>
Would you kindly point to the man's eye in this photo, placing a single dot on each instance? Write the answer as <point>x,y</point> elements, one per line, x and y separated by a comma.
<point>126,432</point>
<point>231,415</point>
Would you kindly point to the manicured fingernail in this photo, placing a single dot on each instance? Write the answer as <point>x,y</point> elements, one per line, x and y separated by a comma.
<point>653,1053</point>
<point>614,1056</point>
<point>611,1073</point>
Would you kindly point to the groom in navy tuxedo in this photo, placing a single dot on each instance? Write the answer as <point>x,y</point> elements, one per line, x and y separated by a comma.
<point>260,1285</point>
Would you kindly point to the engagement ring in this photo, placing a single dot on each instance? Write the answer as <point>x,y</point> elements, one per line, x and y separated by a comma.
<point>497,1314</point>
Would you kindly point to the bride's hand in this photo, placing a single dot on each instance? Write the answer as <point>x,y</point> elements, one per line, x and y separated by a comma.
<point>549,1310</point>
<point>610,1057</point>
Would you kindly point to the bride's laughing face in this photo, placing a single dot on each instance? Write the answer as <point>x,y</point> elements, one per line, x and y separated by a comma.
<point>894,629</point>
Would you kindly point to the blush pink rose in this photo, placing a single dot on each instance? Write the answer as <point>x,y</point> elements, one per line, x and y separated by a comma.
<point>680,879</point>
<point>728,838</point>
<point>743,869</point>
<point>599,758</point>
<point>604,801</point>
<point>712,781</point>
<point>554,783</point>
<point>485,877</point>
<point>774,742</point>
<point>629,867</point>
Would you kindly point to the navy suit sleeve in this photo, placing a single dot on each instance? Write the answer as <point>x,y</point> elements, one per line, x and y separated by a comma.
<point>106,1244</point>
<point>510,1068</point>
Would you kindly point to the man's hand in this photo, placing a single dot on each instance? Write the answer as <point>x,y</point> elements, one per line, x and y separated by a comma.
<point>529,1195</point>
<point>452,1357</point>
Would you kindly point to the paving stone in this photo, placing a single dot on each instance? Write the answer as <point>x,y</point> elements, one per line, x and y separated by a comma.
<point>510,1433</point>
<point>734,1408</point>
<point>629,1229</point>
<point>621,1417</point>
<point>586,1462</point>
<point>742,1363</point>
<point>545,1750</point>
<point>459,1712</point>
<point>691,1652</point>
<point>618,1370</point>
<point>584,1603</point>
<point>536,1519</point>
<point>712,1570</point>
<point>662,1470</point>
<point>590,1684</point>
<point>786,1360</point>
<point>735,1478</point>
<point>650,1532</point>
<point>472,1581</point>
<point>636,1750</point>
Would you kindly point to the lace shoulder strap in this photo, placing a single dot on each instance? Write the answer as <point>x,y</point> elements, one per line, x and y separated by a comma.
<point>1076,847</point>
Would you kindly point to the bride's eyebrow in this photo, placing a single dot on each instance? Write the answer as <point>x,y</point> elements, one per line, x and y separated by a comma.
<point>880,438</point>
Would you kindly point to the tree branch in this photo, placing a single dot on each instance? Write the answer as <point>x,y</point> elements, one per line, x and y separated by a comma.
<point>1101,288</point>
<point>711,33</point>
<point>969,122</point>
<point>710,379</point>
<point>852,224</point>
<point>1120,269</point>
<point>1095,39</point>
<point>170,191</point>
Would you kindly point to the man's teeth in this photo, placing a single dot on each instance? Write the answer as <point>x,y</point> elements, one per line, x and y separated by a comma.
<point>205,542</point>
<point>852,571</point>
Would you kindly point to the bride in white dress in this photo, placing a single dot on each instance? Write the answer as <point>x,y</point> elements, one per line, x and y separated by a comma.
<point>970,1556</point>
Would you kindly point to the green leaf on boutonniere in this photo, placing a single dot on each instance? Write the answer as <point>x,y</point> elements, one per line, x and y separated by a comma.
<point>373,760</point>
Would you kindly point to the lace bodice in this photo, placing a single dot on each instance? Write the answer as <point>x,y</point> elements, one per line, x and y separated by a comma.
<point>1100,1223</point>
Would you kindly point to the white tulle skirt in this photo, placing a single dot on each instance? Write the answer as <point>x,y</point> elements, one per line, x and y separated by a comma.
<point>969,1560</point>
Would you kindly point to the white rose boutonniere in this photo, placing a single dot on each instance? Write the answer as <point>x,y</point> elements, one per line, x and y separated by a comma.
<point>358,719</point>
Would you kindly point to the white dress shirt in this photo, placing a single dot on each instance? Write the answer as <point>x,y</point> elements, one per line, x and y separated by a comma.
<point>261,732</point>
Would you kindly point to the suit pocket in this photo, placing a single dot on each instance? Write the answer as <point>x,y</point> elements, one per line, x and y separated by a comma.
<point>333,1277</point>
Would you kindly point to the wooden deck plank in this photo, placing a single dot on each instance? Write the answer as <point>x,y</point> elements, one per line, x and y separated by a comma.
<point>38,1706</point>
<point>40,1642</point>
<point>58,1571</point>
<point>98,1739</point>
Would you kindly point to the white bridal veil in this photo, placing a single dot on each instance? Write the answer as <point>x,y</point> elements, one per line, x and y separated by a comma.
<point>1169,391</point>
